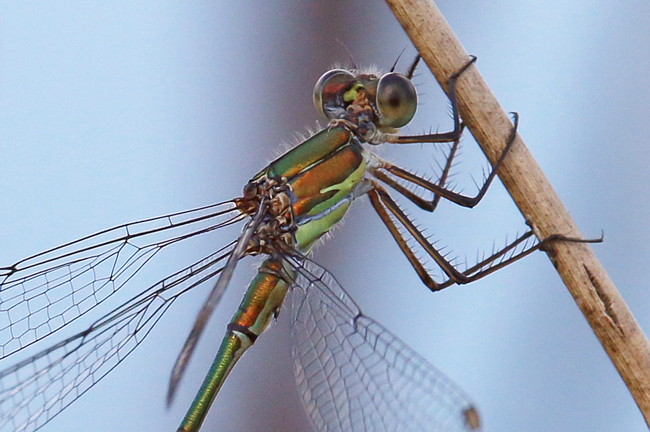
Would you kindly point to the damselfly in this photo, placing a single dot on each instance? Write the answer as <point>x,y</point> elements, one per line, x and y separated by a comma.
<point>352,373</point>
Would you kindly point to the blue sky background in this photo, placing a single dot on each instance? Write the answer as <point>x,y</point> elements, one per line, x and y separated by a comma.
<point>115,112</point>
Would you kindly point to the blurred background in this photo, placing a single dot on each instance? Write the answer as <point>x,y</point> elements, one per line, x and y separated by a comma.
<point>119,111</point>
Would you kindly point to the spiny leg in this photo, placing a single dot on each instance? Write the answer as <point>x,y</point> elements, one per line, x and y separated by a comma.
<point>488,266</point>
<point>423,203</point>
<point>439,189</point>
<point>443,176</point>
<point>429,205</point>
<point>387,209</point>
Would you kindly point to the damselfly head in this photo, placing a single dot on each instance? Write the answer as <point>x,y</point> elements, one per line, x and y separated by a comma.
<point>392,96</point>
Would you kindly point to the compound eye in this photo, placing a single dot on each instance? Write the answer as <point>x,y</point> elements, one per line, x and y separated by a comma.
<point>397,100</point>
<point>329,92</point>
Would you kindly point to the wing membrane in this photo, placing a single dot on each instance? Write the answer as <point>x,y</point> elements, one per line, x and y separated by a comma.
<point>35,390</point>
<point>41,294</point>
<point>354,375</point>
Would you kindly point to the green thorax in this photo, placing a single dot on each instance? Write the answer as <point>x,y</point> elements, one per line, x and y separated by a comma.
<point>322,173</point>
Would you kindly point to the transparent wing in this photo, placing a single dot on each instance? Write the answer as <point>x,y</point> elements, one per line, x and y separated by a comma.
<point>35,390</point>
<point>44,293</point>
<point>41,294</point>
<point>354,375</point>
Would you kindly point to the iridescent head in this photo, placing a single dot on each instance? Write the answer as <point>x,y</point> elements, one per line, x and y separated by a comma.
<point>392,96</point>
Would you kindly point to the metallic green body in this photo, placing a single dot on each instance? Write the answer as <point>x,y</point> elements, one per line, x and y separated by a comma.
<point>322,173</point>
<point>261,303</point>
<point>307,153</point>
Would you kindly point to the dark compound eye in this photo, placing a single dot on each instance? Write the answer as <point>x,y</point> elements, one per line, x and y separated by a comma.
<point>329,92</point>
<point>396,100</point>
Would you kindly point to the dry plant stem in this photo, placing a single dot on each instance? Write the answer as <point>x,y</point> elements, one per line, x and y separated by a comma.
<point>593,291</point>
